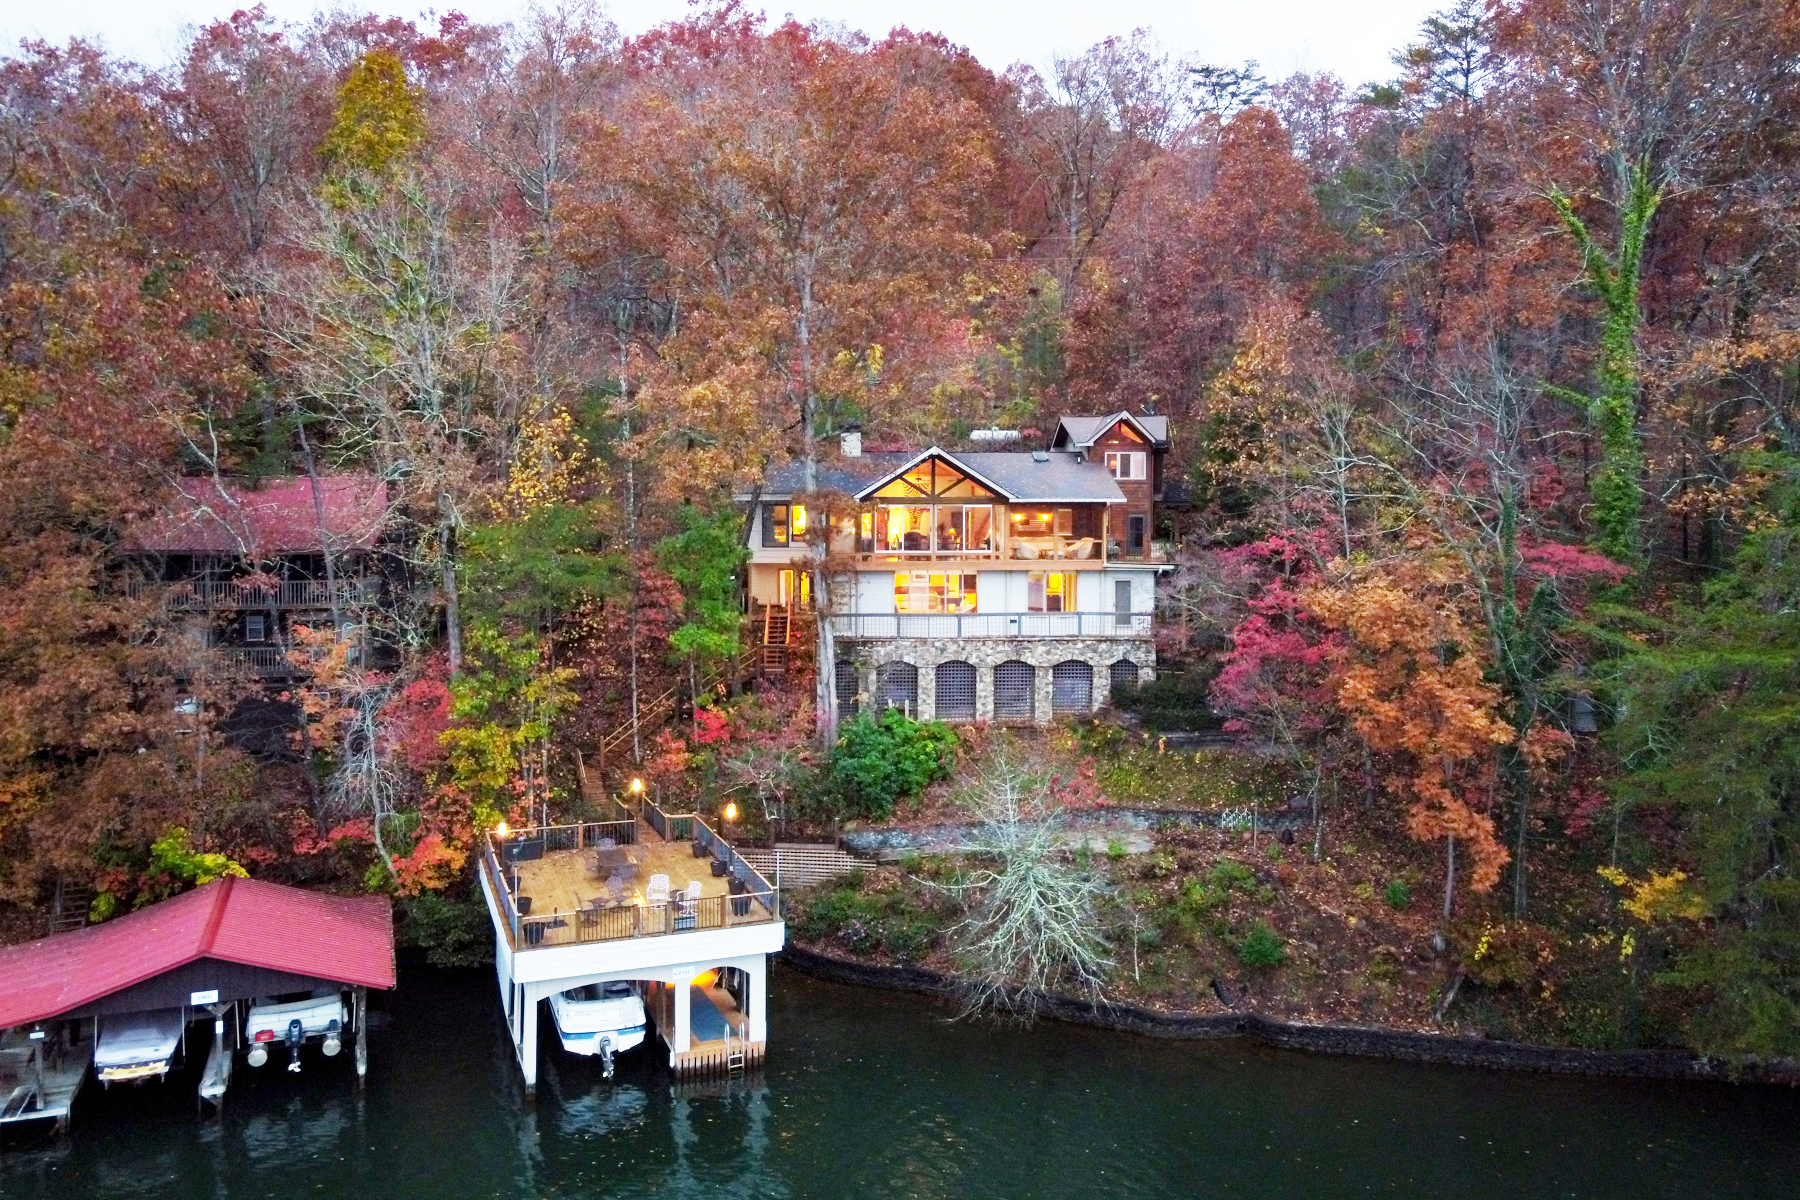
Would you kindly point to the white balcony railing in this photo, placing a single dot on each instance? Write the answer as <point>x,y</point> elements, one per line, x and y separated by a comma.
<point>940,626</point>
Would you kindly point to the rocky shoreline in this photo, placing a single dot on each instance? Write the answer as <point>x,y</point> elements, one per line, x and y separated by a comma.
<point>1345,1040</point>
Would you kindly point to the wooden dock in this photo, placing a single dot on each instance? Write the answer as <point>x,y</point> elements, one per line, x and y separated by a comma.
<point>38,1080</point>
<point>729,1053</point>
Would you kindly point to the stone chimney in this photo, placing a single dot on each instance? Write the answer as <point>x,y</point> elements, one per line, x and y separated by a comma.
<point>850,441</point>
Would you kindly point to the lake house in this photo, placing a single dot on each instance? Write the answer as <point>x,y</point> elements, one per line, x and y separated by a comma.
<point>239,567</point>
<point>971,585</point>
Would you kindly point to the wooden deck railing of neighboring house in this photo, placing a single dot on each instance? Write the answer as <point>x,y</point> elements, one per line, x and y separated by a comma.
<point>947,626</point>
<point>202,595</point>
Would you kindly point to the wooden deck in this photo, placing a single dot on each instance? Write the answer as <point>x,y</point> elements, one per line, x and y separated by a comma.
<point>564,881</point>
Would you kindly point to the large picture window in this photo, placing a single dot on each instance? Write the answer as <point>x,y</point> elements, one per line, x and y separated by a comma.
<point>943,528</point>
<point>1050,591</point>
<point>933,592</point>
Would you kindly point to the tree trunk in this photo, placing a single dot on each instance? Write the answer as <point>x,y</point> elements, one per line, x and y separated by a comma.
<point>452,607</point>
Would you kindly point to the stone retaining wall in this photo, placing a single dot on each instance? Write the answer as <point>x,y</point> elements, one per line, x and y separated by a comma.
<point>984,654</point>
<point>1359,1041</point>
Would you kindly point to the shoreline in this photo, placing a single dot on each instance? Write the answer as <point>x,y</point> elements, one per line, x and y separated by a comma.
<point>1350,1041</point>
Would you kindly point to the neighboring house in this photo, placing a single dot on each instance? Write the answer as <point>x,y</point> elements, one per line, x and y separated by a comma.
<point>240,567</point>
<point>976,585</point>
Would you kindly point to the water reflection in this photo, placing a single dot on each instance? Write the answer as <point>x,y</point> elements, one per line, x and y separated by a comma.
<point>869,1095</point>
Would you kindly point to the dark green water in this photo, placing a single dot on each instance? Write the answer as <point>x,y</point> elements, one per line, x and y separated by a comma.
<point>869,1094</point>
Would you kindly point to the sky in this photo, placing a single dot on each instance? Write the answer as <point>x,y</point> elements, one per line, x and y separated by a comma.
<point>1350,37</point>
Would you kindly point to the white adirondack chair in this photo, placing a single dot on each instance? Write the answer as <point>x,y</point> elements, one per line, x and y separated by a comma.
<point>657,890</point>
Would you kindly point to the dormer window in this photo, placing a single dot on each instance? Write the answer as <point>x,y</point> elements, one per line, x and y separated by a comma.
<point>1126,464</point>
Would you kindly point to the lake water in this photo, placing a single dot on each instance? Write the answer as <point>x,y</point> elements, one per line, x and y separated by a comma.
<point>872,1094</point>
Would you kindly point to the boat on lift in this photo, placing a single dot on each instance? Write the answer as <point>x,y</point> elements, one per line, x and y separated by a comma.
<point>133,1047</point>
<point>599,1018</point>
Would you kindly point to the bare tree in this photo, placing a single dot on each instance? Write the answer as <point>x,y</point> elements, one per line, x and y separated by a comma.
<point>1034,918</point>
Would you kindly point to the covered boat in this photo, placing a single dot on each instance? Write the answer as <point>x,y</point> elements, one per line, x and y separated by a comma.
<point>137,1046</point>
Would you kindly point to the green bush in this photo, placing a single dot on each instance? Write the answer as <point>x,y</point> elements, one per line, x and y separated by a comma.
<point>1261,947</point>
<point>1173,700</point>
<point>1397,894</point>
<point>881,759</point>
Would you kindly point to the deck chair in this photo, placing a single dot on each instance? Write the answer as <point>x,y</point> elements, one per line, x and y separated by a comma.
<point>687,905</point>
<point>657,890</point>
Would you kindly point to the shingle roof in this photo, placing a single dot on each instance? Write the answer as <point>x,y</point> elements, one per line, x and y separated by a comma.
<point>1083,431</point>
<point>837,474</point>
<point>277,518</point>
<point>1060,476</point>
<point>349,939</point>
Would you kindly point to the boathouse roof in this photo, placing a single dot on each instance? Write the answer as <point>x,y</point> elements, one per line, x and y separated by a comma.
<point>236,937</point>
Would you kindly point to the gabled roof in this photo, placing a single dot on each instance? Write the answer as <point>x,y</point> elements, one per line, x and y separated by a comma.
<point>958,461</point>
<point>229,517</point>
<point>349,939</point>
<point>1083,432</point>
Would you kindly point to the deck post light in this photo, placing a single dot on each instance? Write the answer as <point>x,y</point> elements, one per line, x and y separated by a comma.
<point>500,831</point>
<point>729,812</point>
<point>637,787</point>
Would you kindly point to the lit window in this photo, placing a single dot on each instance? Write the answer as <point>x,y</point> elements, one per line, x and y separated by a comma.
<point>798,521</point>
<point>1050,591</point>
<point>1125,464</point>
<point>933,592</point>
<point>775,524</point>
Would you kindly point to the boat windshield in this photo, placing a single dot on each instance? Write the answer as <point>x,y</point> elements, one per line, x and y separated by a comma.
<point>616,989</point>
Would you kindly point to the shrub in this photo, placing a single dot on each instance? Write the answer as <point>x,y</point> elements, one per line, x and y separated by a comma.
<point>1261,947</point>
<point>1397,894</point>
<point>1173,700</point>
<point>880,759</point>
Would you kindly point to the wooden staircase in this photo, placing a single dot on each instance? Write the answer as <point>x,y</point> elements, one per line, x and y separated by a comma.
<point>69,910</point>
<point>652,714</point>
<point>778,634</point>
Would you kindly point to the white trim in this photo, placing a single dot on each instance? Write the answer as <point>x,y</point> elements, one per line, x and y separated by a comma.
<point>920,457</point>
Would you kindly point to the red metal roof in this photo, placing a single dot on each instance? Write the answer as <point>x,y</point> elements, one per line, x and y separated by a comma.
<point>349,939</point>
<point>209,517</point>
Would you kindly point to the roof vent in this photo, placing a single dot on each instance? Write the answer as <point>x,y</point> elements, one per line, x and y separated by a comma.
<point>993,435</point>
<point>1040,456</point>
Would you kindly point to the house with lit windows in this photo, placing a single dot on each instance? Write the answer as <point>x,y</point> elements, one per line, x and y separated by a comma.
<point>972,585</point>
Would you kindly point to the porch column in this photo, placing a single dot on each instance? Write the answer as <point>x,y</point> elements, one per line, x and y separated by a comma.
<point>528,1038</point>
<point>1043,677</point>
<point>683,1006</point>
<point>984,691</point>
<point>757,972</point>
<point>927,688</point>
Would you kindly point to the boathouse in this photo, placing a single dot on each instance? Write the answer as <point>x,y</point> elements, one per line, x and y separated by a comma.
<point>205,954</point>
<point>659,900</point>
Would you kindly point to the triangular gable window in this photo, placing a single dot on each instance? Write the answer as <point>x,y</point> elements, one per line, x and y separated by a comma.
<point>933,478</point>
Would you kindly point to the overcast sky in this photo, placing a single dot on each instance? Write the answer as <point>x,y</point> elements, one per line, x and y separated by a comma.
<point>1350,37</point>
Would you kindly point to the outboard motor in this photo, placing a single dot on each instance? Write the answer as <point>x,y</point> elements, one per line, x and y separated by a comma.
<point>606,1055</point>
<point>333,1039</point>
<point>294,1037</point>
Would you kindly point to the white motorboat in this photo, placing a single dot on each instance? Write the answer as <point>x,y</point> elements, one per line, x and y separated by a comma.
<point>293,1020</point>
<point>599,1018</point>
<point>137,1046</point>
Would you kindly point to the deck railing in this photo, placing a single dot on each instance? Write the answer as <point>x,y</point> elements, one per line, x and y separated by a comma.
<point>940,626</point>
<point>753,902</point>
<point>220,593</point>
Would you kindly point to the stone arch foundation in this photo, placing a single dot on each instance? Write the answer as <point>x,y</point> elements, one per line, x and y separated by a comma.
<point>985,653</point>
